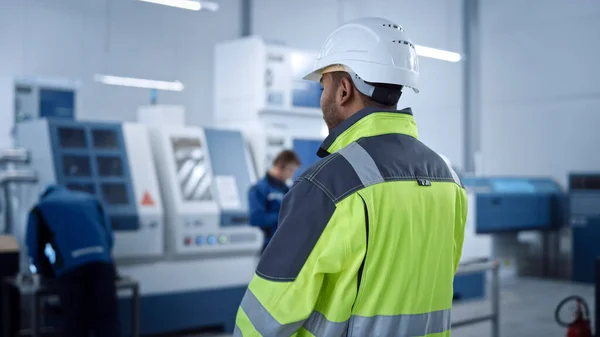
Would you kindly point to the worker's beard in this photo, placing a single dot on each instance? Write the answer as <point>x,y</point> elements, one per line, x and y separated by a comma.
<point>331,113</point>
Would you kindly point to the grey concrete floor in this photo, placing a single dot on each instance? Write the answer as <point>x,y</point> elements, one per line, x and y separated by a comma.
<point>526,309</point>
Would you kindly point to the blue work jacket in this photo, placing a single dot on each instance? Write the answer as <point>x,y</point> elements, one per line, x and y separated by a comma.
<point>75,226</point>
<point>265,199</point>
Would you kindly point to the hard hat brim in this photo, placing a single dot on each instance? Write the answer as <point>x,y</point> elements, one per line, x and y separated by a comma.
<point>372,73</point>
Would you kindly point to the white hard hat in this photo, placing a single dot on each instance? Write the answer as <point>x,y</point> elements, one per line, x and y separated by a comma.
<point>376,50</point>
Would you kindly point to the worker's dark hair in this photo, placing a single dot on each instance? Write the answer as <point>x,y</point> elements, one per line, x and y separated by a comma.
<point>287,157</point>
<point>392,91</point>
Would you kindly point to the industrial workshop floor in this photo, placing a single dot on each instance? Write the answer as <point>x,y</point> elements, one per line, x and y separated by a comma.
<point>526,309</point>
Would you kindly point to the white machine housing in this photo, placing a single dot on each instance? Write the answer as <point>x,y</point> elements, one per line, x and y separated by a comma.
<point>144,242</point>
<point>186,180</point>
<point>259,90</point>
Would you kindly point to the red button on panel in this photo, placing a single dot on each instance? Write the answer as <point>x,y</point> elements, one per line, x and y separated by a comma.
<point>187,241</point>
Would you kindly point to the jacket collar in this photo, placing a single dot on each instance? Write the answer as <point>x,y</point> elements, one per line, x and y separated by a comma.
<point>367,123</point>
<point>51,189</point>
<point>276,182</point>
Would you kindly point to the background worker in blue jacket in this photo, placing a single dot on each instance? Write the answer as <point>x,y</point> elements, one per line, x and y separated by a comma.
<point>77,229</point>
<point>265,197</point>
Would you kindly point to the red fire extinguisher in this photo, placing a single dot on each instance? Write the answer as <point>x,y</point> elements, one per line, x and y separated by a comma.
<point>579,326</point>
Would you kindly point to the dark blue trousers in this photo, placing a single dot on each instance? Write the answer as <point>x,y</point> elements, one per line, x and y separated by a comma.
<point>88,299</point>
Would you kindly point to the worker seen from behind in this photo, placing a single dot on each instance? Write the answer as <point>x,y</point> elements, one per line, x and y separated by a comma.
<point>76,228</point>
<point>265,197</point>
<point>370,237</point>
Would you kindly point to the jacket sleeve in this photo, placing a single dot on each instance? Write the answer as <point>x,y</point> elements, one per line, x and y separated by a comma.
<point>106,225</point>
<point>462,209</point>
<point>37,237</point>
<point>309,244</point>
<point>259,216</point>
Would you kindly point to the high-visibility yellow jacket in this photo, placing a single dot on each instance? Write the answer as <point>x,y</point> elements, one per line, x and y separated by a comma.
<point>368,243</point>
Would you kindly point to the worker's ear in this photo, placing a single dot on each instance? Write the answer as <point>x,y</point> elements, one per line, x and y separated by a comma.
<point>345,91</point>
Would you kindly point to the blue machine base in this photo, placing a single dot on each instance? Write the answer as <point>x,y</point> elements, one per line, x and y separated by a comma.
<point>469,286</point>
<point>185,311</point>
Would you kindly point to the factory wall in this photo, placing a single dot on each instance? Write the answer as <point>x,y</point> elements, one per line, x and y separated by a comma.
<point>433,23</point>
<point>76,39</point>
<point>540,97</point>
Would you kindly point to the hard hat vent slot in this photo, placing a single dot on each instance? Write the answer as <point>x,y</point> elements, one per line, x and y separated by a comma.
<point>392,26</point>
<point>403,42</point>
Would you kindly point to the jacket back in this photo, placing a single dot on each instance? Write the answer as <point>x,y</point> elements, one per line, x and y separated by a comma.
<point>75,225</point>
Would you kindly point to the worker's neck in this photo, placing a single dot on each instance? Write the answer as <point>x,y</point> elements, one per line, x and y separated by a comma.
<point>274,172</point>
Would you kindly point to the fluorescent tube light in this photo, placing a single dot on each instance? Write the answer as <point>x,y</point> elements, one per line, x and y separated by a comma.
<point>437,54</point>
<point>139,83</point>
<point>187,4</point>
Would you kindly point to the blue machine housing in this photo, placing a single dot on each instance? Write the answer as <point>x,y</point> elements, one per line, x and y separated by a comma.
<point>512,204</point>
<point>469,286</point>
<point>91,157</point>
<point>584,217</point>
<point>228,157</point>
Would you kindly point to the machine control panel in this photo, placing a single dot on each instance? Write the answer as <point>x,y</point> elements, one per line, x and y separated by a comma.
<point>201,241</point>
<point>584,197</point>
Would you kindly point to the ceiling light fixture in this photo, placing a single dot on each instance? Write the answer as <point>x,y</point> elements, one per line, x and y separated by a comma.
<point>139,83</point>
<point>437,54</point>
<point>187,4</point>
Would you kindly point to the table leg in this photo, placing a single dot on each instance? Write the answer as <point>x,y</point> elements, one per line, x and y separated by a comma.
<point>35,315</point>
<point>135,314</point>
<point>6,324</point>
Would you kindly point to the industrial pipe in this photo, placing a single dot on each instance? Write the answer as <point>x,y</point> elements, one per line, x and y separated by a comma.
<point>17,176</point>
<point>14,156</point>
<point>13,176</point>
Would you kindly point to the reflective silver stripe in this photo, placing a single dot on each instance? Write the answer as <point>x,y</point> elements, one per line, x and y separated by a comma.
<point>411,325</point>
<point>86,251</point>
<point>237,332</point>
<point>320,326</point>
<point>362,163</point>
<point>262,320</point>
<point>400,325</point>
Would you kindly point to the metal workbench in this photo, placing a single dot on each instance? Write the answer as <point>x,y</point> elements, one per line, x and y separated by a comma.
<point>494,294</point>
<point>40,292</point>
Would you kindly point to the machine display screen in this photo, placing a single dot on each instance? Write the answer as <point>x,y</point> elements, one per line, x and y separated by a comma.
<point>105,139</point>
<point>192,169</point>
<point>109,166</point>
<point>76,166</point>
<point>72,138</point>
<point>114,194</point>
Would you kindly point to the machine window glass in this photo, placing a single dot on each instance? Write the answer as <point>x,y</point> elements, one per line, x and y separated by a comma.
<point>72,138</point>
<point>105,139</point>
<point>193,173</point>
<point>109,166</point>
<point>76,166</point>
<point>115,194</point>
<point>87,188</point>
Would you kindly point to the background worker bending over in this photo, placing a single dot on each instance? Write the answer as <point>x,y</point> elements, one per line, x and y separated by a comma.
<point>370,237</point>
<point>75,225</point>
<point>265,197</point>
